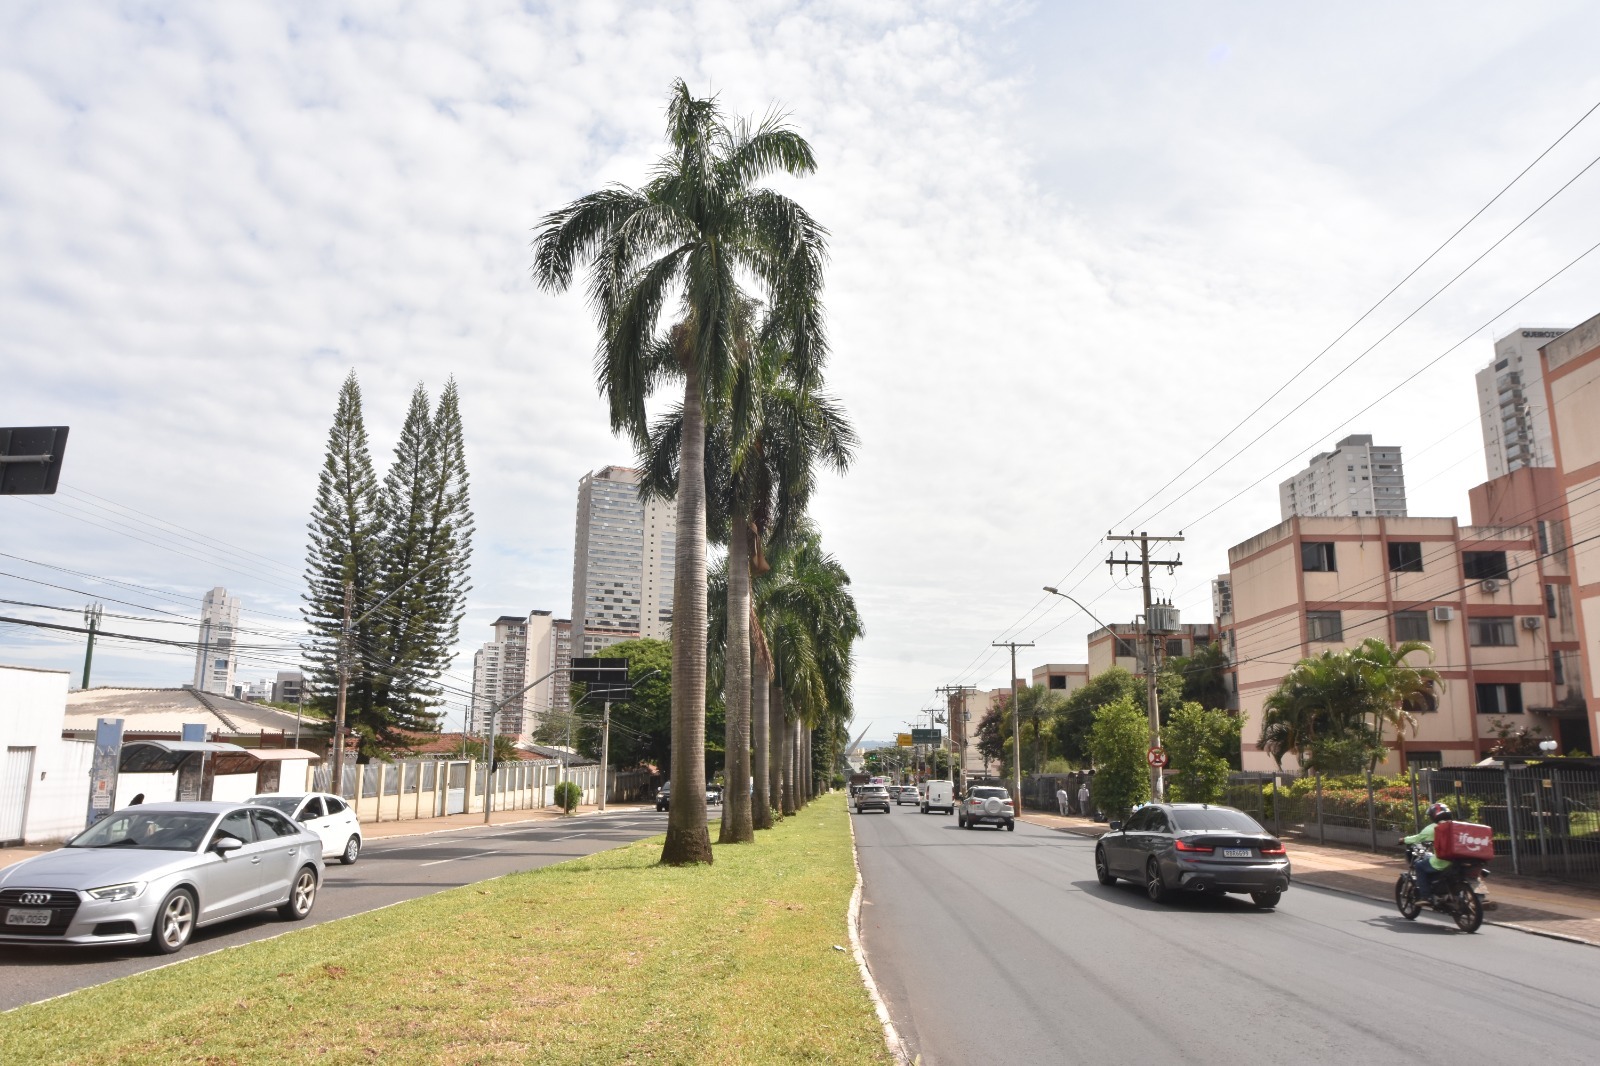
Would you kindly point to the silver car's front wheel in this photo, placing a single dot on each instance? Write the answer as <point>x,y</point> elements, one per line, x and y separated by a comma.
<point>174,922</point>
<point>301,896</point>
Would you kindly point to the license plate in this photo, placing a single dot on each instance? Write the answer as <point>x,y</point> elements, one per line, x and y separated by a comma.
<point>1237,853</point>
<point>22,917</point>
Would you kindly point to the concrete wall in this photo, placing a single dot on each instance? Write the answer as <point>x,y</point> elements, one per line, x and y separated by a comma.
<point>33,706</point>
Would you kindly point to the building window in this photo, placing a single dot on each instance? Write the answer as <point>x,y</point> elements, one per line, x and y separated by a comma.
<point>1317,555</point>
<point>1558,668</point>
<point>1174,649</point>
<point>1479,566</point>
<point>1125,649</point>
<point>1499,699</point>
<point>1550,601</point>
<point>1419,759</point>
<point>1492,632</point>
<point>1058,681</point>
<point>1411,625</point>
<point>1324,627</point>
<point>1544,538</point>
<point>1405,556</point>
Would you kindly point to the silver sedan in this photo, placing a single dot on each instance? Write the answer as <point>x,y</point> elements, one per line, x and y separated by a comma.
<point>155,873</point>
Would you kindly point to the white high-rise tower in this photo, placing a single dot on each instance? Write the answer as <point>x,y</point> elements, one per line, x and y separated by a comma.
<point>622,567</point>
<point>217,656</point>
<point>1516,426</point>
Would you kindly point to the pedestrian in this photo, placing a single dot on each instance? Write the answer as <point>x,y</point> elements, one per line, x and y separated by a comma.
<point>1083,801</point>
<point>1062,801</point>
<point>136,800</point>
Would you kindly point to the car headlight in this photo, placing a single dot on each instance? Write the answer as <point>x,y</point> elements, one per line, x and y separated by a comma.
<point>116,892</point>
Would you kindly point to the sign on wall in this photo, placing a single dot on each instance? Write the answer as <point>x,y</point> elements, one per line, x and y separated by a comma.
<point>103,772</point>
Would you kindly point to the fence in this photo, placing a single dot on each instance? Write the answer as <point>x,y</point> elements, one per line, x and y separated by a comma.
<point>433,788</point>
<point>1545,816</point>
<point>1039,791</point>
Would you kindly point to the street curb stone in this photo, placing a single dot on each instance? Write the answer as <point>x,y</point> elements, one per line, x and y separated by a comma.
<point>891,1035</point>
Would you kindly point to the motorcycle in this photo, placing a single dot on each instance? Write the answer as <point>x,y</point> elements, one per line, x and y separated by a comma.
<point>1458,891</point>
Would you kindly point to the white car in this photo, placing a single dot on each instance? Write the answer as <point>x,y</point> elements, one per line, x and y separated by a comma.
<point>330,817</point>
<point>906,794</point>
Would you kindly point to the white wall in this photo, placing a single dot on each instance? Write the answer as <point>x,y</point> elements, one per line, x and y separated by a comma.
<point>60,800</point>
<point>33,708</point>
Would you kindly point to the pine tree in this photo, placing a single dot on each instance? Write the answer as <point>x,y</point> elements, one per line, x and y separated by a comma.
<point>450,528</point>
<point>343,548</point>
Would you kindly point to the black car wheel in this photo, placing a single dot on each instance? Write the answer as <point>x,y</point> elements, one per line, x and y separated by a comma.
<point>302,894</point>
<point>1011,827</point>
<point>1266,900</point>
<point>1101,870</point>
<point>1405,898</point>
<point>1154,886</point>
<point>174,922</point>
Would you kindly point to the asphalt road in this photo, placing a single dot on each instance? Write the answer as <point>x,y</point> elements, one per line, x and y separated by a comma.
<point>391,870</point>
<point>994,948</point>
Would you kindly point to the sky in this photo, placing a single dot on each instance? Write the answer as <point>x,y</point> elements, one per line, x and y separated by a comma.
<point>1073,246</point>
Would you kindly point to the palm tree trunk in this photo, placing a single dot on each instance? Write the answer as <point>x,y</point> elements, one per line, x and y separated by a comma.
<point>775,750</point>
<point>737,827</point>
<point>688,840</point>
<point>788,807</point>
<point>809,765</point>
<point>761,730</point>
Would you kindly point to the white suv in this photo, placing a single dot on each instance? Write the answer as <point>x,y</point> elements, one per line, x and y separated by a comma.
<point>987,805</point>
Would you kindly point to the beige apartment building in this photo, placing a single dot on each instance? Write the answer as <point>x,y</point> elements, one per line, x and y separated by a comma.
<point>1065,678</point>
<point>1570,365</point>
<point>1483,596</point>
<point>1122,644</point>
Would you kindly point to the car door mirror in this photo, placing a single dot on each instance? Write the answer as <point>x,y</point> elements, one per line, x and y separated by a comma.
<point>224,845</point>
<point>1116,826</point>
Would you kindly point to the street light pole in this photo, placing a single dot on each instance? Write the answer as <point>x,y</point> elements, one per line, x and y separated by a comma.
<point>1016,720</point>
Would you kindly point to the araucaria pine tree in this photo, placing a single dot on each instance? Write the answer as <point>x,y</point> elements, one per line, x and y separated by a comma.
<point>344,549</point>
<point>409,543</point>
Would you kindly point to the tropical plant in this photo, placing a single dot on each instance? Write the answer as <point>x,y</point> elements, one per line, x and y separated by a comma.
<point>1197,739</point>
<point>1203,675</point>
<point>1118,741</point>
<point>701,234</point>
<point>1037,710</point>
<point>1397,691</point>
<point>1075,720</point>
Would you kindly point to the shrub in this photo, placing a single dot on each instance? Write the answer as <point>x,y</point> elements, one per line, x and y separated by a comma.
<point>1198,741</point>
<point>567,795</point>
<point>1118,741</point>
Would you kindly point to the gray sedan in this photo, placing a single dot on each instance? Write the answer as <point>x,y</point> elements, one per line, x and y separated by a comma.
<point>156,872</point>
<point>1194,847</point>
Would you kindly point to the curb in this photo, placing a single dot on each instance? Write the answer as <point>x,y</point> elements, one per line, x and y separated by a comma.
<point>891,1035</point>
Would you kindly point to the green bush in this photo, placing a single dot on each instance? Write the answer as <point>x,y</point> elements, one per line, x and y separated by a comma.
<point>1118,740</point>
<point>567,794</point>
<point>1198,741</point>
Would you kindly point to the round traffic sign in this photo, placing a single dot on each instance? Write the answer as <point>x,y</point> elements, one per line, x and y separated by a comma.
<point>1156,757</point>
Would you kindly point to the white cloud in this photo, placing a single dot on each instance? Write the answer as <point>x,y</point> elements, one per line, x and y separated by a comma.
<point>1071,245</point>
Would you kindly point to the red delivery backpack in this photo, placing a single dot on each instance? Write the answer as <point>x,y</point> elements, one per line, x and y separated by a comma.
<point>1458,841</point>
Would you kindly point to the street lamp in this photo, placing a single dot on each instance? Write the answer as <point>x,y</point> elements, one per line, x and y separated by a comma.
<point>1157,786</point>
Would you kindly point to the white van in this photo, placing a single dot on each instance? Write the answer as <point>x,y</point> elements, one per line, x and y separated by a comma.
<point>936,796</point>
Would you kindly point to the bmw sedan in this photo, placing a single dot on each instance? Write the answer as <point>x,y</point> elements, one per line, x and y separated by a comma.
<point>157,872</point>
<point>328,816</point>
<point>1194,847</point>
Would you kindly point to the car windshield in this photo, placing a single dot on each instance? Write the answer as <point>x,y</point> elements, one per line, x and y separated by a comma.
<point>286,804</point>
<point>1222,818</point>
<point>986,793</point>
<point>158,830</point>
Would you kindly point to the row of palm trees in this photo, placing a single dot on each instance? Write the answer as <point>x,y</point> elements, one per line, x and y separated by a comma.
<point>1331,710</point>
<point>737,269</point>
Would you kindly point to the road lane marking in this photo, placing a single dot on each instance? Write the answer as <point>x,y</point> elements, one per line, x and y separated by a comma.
<point>454,858</point>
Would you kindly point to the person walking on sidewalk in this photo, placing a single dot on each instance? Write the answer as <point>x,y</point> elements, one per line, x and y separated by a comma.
<point>1083,801</point>
<point>1062,801</point>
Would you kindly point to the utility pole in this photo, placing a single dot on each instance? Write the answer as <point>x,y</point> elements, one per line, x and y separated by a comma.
<point>91,618</point>
<point>605,753</point>
<point>488,757</point>
<point>344,684</point>
<point>958,693</point>
<point>1157,786</point>
<point>1016,719</point>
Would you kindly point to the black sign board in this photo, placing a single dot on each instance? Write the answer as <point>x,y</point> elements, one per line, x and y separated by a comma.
<point>30,460</point>
<point>604,679</point>
<point>930,737</point>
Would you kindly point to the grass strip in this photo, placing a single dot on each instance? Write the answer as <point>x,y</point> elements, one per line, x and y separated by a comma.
<point>606,959</point>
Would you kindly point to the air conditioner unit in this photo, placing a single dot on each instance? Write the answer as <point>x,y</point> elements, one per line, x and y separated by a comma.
<point>1444,614</point>
<point>1531,621</point>
<point>1490,584</point>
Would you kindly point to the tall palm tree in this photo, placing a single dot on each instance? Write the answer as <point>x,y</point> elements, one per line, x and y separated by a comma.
<point>757,486</point>
<point>701,234</point>
<point>1397,691</point>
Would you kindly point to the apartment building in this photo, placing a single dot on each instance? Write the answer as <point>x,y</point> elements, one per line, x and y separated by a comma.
<point>499,672</point>
<point>1570,367</point>
<point>1512,404</point>
<point>217,656</point>
<point>1356,478</point>
<point>1481,596</point>
<point>1065,678</point>
<point>1122,644</point>
<point>623,562</point>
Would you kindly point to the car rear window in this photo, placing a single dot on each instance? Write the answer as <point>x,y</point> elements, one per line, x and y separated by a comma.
<point>1222,818</point>
<point>985,793</point>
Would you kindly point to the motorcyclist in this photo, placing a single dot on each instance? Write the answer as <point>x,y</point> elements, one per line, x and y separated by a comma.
<point>1429,865</point>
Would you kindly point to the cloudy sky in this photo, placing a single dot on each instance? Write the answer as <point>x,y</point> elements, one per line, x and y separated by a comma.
<point>1073,245</point>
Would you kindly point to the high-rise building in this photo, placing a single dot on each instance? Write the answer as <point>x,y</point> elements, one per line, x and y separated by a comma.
<point>560,659</point>
<point>1511,403</point>
<point>217,656</point>
<point>499,671</point>
<point>1356,478</point>
<point>622,567</point>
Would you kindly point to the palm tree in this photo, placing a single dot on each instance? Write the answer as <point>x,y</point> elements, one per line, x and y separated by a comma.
<point>1397,691</point>
<point>756,488</point>
<point>703,233</point>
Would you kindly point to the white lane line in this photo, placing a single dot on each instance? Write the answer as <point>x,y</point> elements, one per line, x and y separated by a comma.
<point>456,858</point>
<point>574,836</point>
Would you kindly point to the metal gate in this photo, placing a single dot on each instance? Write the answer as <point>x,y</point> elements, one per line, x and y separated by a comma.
<point>456,789</point>
<point>15,776</point>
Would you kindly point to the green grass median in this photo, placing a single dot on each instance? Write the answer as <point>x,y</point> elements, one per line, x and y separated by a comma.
<point>607,959</point>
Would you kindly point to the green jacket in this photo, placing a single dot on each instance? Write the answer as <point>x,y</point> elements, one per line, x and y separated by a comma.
<point>1426,837</point>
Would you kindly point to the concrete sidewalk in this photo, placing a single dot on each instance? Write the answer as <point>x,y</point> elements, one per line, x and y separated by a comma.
<point>1567,912</point>
<point>371,831</point>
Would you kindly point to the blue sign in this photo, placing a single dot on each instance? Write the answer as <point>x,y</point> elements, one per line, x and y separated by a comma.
<point>194,731</point>
<point>103,773</point>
